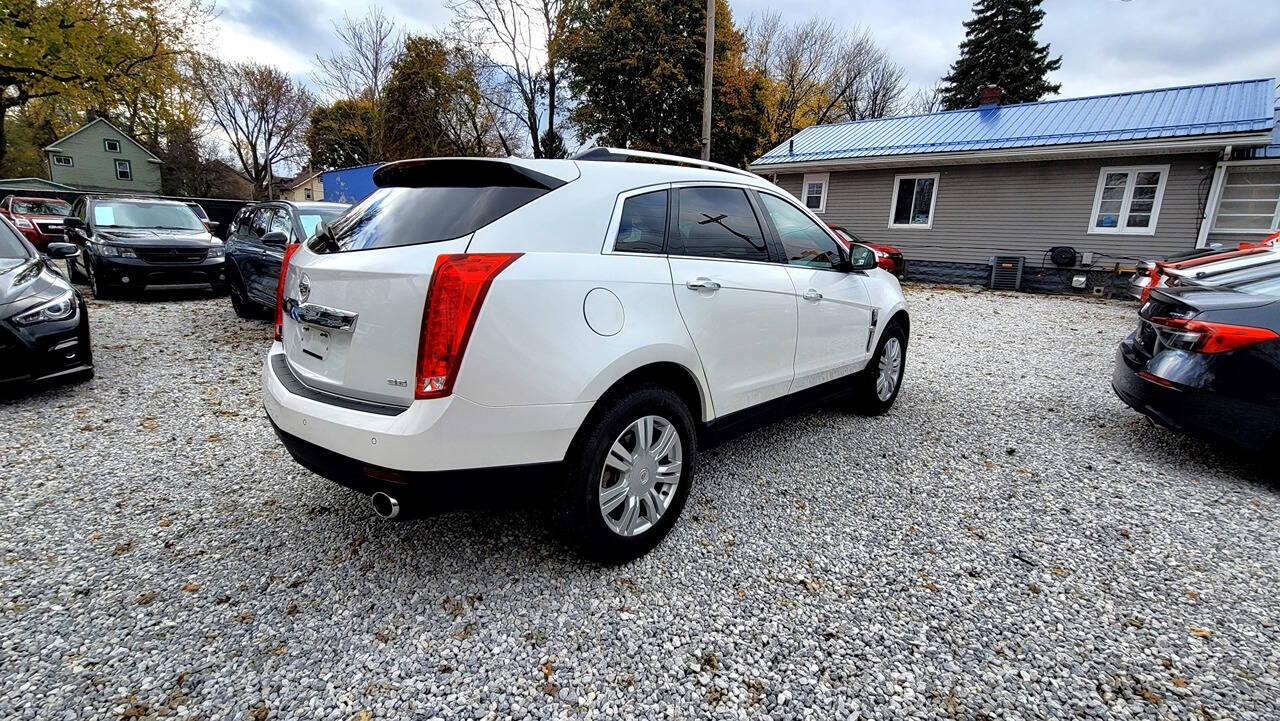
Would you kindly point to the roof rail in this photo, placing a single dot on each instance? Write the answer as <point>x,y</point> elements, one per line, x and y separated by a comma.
<point>621,154</point>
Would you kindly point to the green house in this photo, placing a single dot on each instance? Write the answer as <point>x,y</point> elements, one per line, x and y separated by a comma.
<point>101,157</point>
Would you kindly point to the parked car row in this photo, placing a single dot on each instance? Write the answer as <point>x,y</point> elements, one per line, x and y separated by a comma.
<point>1205,356</point>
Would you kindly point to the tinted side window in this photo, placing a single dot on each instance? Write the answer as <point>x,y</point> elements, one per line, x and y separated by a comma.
<point>261,220</point>
<point>719,223</point>
<point>281,223</point>
<point>804,242</point>
<point>643,227</point>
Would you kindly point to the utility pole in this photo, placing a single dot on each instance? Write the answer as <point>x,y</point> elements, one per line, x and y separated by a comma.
<point>706,79</point>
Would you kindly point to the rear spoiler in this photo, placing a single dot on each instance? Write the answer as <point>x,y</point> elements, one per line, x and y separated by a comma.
<point>462,173</point>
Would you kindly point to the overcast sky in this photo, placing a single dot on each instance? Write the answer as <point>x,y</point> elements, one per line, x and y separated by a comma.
<point>1106,45</point>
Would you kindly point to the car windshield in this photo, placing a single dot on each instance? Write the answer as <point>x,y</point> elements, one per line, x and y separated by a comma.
<point>312,217</point>
<point>142,214</point>
<point>11,246</point>
<point>34,206</point>
<point>1257,281</point>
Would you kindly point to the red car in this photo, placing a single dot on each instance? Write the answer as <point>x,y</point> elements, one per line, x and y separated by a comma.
<point>38,219</point>
<point>1159,274</point>
<point>888,257</point>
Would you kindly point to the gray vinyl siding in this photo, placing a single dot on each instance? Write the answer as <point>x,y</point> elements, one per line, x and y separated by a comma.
<point>1016,209</point>
<point>94,168</point>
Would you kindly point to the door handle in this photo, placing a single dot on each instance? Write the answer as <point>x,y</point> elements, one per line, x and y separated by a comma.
<point>702,284</point>
<point>812,294</point>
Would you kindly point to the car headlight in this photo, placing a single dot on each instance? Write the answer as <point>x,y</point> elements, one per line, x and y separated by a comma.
<point>115,251</point>
<point>217,251</point>
<point>60,308</point>
<point>22,223</point>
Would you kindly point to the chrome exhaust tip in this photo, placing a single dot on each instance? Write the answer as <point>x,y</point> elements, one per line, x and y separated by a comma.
<point>385,506</point>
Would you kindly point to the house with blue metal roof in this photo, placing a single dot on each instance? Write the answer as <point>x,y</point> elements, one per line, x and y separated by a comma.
<point>1116,178</point>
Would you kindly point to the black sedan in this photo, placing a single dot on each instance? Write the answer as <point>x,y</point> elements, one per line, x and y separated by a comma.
<point>1206,360</point>
<point>137,243</point>
<point>44,326</point>
<point>256,245</point>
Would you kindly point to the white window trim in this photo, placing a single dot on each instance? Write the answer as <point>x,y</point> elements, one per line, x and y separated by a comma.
<point>128,169</point>
<point>825,179</point>
<point>69,164</point>
<point>1217,210</point>
<point>106,141</point>
<point>1121,228</point>
<point>933,202</point>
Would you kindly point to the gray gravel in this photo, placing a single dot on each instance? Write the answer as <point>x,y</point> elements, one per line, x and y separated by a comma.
<point>1009,542</point>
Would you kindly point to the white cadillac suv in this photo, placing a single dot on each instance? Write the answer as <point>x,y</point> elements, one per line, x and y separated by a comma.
<point>593,319</point>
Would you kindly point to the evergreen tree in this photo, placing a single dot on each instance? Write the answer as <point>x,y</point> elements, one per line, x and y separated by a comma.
<point>1000,48</point>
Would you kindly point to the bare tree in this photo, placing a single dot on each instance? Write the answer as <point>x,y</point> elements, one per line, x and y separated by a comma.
<point>360,67</point>
<point>262,111</point>
<point>926,100</point>
<point>820,73</point>
<point>515,40</point>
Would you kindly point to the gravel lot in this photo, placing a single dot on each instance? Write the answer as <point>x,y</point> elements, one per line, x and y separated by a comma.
<point>1009,542</point>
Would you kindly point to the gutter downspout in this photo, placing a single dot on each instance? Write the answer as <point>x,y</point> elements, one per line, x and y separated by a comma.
<point>1215,196</point>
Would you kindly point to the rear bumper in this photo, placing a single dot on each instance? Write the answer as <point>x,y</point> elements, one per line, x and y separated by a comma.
<point>1193,410</point>
<point>445,434</point>
<point>136,273</point>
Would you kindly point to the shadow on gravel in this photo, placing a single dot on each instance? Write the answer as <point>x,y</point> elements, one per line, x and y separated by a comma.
<point>1159,445</point>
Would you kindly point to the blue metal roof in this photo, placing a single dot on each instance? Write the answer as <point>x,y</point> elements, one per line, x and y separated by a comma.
<point>1212,109</point>
<point>1263,151</point>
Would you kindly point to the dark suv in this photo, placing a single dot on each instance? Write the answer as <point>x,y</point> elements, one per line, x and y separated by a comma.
<point>136,243</point>
<point>256,243</point>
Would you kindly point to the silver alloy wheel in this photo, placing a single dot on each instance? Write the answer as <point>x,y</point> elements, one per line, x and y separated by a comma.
<point>890,368</point>
<point>641,475</point>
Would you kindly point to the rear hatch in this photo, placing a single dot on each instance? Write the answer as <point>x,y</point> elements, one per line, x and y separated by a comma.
<point>357,289</point>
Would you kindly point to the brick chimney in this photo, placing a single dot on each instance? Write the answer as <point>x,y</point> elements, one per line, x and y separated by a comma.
<point>989,96</point>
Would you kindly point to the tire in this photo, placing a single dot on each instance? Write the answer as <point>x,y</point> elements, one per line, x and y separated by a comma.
<point>625,530</point>
<point>240,302</point>
<point>871,397</point>
<point>100,292</point>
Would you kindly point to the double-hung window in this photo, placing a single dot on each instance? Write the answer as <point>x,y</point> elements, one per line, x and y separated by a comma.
<point>123,170</point>
<point>1250,201</point>
<point>813,193</point>
<point>913,200</point>
<point>1128,200</point>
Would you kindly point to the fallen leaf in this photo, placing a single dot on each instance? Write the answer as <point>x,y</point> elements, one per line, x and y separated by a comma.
<point>363,715</point>
<point>382,636</point>
<point>146,597</point>
<point>1150,697</point>
<point>1033,588</point>
<point>546,670</point>
<point>444,668</point>
<point>1135,622</point>
<point>214,438</point>
<point>149,423</point>
<point>292,610</point>
<point>123,548</point>
<point>358,542</point>
<point>465,632</point>
<point>1201,632</point>
<point>1058,571</point>
<point>94,536</point>
<point>165,523</point>
<point>137,710</point>
<point>244,617</point>
<point>190,587</point>
<point>1193,595</point>
<point>1179,681</point>
<point>550,689</point>
<point>929,585</point>
<point>1124,533</point>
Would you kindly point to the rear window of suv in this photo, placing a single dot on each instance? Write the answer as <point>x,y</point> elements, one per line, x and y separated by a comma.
<point>431,201</point>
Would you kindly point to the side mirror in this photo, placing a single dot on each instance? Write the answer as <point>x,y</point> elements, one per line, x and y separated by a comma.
<point>61,250</point>
<point>861,257</point>
<point>71,222</point>
<point>275,237</point>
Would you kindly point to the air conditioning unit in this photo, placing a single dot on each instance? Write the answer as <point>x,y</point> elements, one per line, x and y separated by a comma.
<point>1006,272</point>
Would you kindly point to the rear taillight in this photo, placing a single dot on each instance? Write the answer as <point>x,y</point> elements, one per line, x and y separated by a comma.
<point>1205,337</point>
<point>458,288</point>
<point>284,271</point>
<point>1153,279</point>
